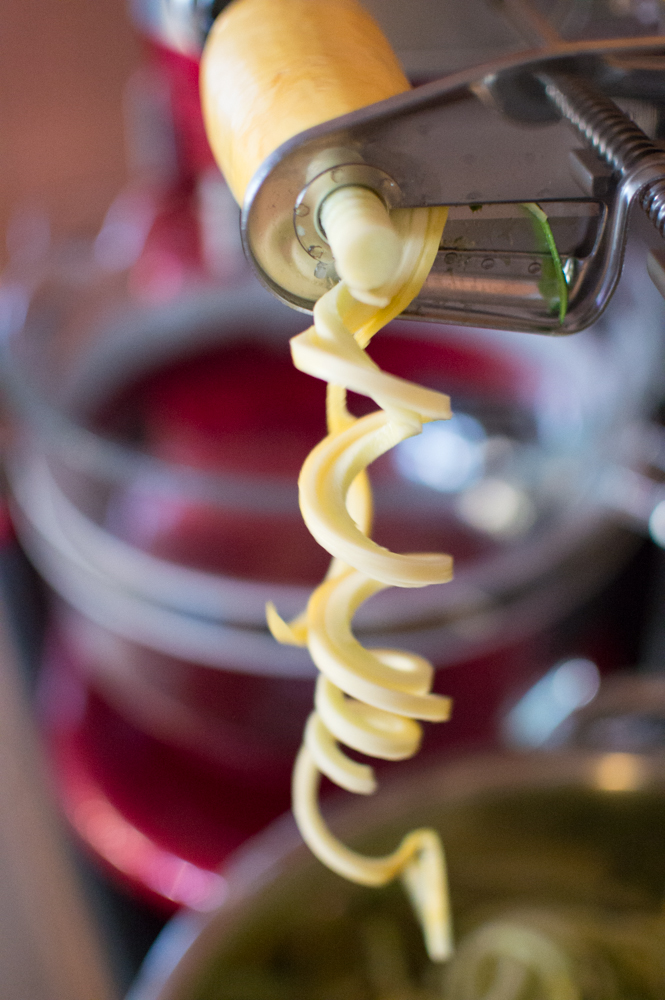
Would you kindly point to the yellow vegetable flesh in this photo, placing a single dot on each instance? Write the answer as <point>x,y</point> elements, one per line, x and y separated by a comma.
<point>271,69</point>
<point>365,244</point>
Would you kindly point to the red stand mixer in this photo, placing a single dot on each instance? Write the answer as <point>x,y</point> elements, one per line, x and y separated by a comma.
<point>159,501</point>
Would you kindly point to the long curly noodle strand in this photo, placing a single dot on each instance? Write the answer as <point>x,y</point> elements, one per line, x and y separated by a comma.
<point>366,699</point>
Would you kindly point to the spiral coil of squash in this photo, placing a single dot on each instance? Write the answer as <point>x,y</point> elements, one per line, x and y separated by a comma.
<point>271,69</point>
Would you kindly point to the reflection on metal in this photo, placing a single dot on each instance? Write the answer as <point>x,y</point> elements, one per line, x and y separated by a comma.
<point>620,772</point>
<point>657,524</point>
<point>656,269</point>
<point>448,457</point>
<point>497,507</point>
<point>477,289</point>
<point>569,686</point>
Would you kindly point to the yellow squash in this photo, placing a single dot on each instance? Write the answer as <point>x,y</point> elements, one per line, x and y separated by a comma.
<point>273,68</point>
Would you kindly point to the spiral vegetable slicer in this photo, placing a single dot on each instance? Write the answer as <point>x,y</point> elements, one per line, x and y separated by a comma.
<point>558,104</point>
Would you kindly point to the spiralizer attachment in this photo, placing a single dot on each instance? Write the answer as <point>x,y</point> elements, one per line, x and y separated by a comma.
<point>538,127</point>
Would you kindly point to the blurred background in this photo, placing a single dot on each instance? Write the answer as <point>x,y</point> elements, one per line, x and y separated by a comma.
<point>64,73</point>
<point>151,448</point>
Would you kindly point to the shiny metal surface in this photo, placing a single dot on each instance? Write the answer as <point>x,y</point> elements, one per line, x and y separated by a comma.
<point>625,148</point>
<point>539,830</point>
<point>627,716</point>
<point>434,142</point>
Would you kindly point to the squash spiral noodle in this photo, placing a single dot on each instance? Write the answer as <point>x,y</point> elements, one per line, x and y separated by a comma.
<point>368,700</point>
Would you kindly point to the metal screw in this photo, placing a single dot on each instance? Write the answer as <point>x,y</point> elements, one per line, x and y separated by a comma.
<point>487,263</point>
<point>617,139</point>
<point>534,267</point>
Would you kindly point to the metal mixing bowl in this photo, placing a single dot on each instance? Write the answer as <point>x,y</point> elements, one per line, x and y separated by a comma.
<point>564,830</point>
